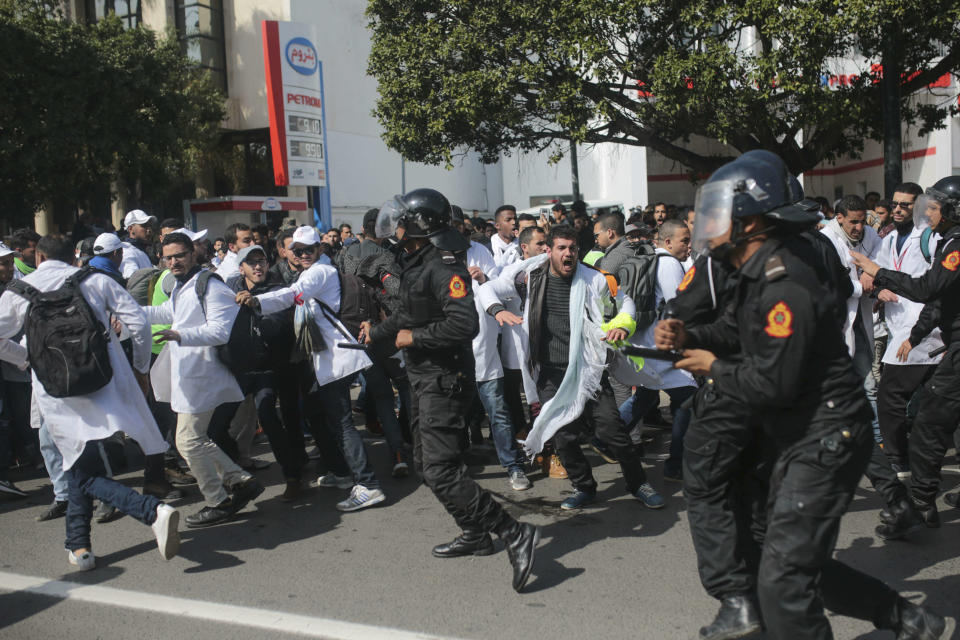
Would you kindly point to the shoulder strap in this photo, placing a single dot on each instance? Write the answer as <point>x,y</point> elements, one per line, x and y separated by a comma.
<point>334,318</point>
<point>201,288</point>
<point>925,244</point>
<point>24,290</point>
<point>79,276</point>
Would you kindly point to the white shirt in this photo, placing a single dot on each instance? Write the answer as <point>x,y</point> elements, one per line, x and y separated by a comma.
<point>485,356</point>
<point>229,266</point>
<point>859,306</point>
<point>133,260</point>
<point>504,253</point>
<point>118,406</point>
<point>903,314</point>
<point>190,375</point>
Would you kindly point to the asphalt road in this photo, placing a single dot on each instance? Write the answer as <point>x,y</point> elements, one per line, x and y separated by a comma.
<point>614,570</point>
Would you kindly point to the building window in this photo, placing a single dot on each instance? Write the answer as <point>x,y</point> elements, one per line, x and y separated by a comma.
<point>127,10</point>
<point>200,26</point>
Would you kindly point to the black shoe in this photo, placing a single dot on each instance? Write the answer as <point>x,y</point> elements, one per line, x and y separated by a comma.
<point>928,513</point>
<point>292,491</point>
<point>738,617</point>
<point>521,542</point>
<point>10,490</point>
<point>886,517</point>
<point>106,512</point>
<point>163,490</point>
<point>56,510</point>
<point>244,492</point>
<point>209,516</point>
<point>952,499</point>
<point>466,544</point>
<point>903,520</point>
<point>919,623</point>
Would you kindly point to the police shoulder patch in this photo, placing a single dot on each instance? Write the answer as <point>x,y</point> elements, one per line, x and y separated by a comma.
<point>458,288</point>
<point>687,279</point>
<point>952,261</point>
<point>779,321</point>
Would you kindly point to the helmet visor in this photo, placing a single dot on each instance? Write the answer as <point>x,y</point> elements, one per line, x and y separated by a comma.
<point>927,211</point>
<point>388,220</point>
<point>714,211</point>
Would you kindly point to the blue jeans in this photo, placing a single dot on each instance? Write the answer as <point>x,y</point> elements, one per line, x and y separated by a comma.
<point>637,405</point>
<point>504,436</point>
<point>54,464</point>
<point>87,480</point>
<point>332,401</point>
<point>380,393</point>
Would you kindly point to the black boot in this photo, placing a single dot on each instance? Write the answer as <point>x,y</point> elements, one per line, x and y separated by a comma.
<point>952,499</point>
<point>521,542</point>
<point>468,543</point>
<point>928,513</point>
<point>903,520</point>
<point>913,622</point>
<point>738,617</point>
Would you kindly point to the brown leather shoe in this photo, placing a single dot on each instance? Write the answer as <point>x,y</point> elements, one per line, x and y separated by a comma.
<point>556,468</point>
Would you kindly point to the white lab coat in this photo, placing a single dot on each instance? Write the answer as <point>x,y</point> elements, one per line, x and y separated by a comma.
<point>486,359</point>
<point>118,406</point>
<point>511,335</point>
<point>902,315</point>
<point>133,260</point>
<point>504,288</point>
<point>190,375</point>
<point>320,283</point>
<point>661,373</point>
<point>859,306</point>
<point>504,253</point>
<point>229,266</point>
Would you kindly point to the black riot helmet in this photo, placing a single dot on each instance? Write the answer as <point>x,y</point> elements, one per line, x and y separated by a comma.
<point>421,213</point>
<point>943,196</point>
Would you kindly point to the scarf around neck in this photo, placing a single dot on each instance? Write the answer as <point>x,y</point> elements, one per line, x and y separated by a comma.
<point>23,267</point>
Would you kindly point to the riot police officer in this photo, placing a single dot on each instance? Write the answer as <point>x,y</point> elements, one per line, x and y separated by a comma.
<point>434,326</point>
<point>797,377</point>
<point>939,208</point>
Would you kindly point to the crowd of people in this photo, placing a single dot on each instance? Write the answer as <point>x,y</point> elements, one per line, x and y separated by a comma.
<point>778,328</point>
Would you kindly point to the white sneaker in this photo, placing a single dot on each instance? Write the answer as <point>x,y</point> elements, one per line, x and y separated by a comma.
<point>166,530</point>
<point>331,481</point>
<point>519,480</point>
<point>84,561</point>
<point>360,498</point>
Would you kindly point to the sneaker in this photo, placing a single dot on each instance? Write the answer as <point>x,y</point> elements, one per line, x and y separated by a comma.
<point>519,480</point>
<point>166,530</point>
<point>578,500</point>
<point>10,490</point>
<point>106,512</point>
<point>556,468</point>
<point>83,561</point>
<point>649,496</point>
<point>603,450</point>
<point>332,481</point>
<point>401,469</point>
<point>314,454</point>
<point>56,510</point>
<point>361,498</point>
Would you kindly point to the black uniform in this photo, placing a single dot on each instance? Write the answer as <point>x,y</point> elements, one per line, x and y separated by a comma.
<point>437,304</point>
<point>937,418</point>
<point>796,375</point>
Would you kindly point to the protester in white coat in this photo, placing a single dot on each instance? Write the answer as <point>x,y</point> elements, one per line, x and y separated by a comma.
<point>327,396</point>
<point>907,363</point>
<point>189,375</point>
<point>139,228</point>
<point>504,243</point>
<point>79,424</point>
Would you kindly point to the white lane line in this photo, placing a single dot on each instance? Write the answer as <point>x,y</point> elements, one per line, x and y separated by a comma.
<point>276,621</point>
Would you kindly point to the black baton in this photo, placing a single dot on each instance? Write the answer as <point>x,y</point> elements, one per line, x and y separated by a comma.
<point>352,345</point>
<point>652,354</point>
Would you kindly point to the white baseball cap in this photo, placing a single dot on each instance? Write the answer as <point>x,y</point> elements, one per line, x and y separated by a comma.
<point>137,216</point>
<point>306,236</point>
<point>106,243</point>
<point>5,250</point>
<point>193,235</point>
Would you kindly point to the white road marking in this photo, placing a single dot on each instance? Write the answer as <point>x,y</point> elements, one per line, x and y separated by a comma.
<point>276,621</point>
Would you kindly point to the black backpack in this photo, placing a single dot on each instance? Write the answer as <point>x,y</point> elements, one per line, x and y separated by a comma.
<point>67,345</point>
<point>638,279</point>
<point>246,350</point>
<point>358,303</point>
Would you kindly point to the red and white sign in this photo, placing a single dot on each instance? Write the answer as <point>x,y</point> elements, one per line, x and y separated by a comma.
<point>295,100</point>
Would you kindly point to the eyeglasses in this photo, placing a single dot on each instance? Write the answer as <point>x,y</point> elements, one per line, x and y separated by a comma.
<point>902,205</point>
<point>176,256</point>
<point>259,262</point>
<point>304,251</point>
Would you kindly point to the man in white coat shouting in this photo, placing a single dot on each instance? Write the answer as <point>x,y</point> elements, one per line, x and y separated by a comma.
<point>189,375</point>
<point>80,422</point>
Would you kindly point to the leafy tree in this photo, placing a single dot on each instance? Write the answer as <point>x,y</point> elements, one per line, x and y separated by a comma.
<point>83,106</point>
<point>494,76</point>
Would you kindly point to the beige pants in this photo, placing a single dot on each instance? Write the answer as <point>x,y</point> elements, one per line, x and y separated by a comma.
<point>209,464</point>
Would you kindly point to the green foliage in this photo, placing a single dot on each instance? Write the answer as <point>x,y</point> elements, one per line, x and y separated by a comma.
<point>83,105</point>
<point>495,76</point>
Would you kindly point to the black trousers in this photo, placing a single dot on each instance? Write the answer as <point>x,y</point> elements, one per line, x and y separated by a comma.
<point>934,427</point>
<point>601,417</point>
<point>811,486</point>
<point>512,386</point>
<point>898,383</point>
<point>439,407</point>
<point>726,468</point>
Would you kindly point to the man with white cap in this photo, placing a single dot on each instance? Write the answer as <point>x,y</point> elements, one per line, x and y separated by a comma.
<point>108,254</point>
<point>327,394</point>
<point>139,227</point>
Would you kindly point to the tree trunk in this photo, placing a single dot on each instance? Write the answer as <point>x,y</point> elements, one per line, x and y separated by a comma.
<point>892,133</point>
<point>574,171</point>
